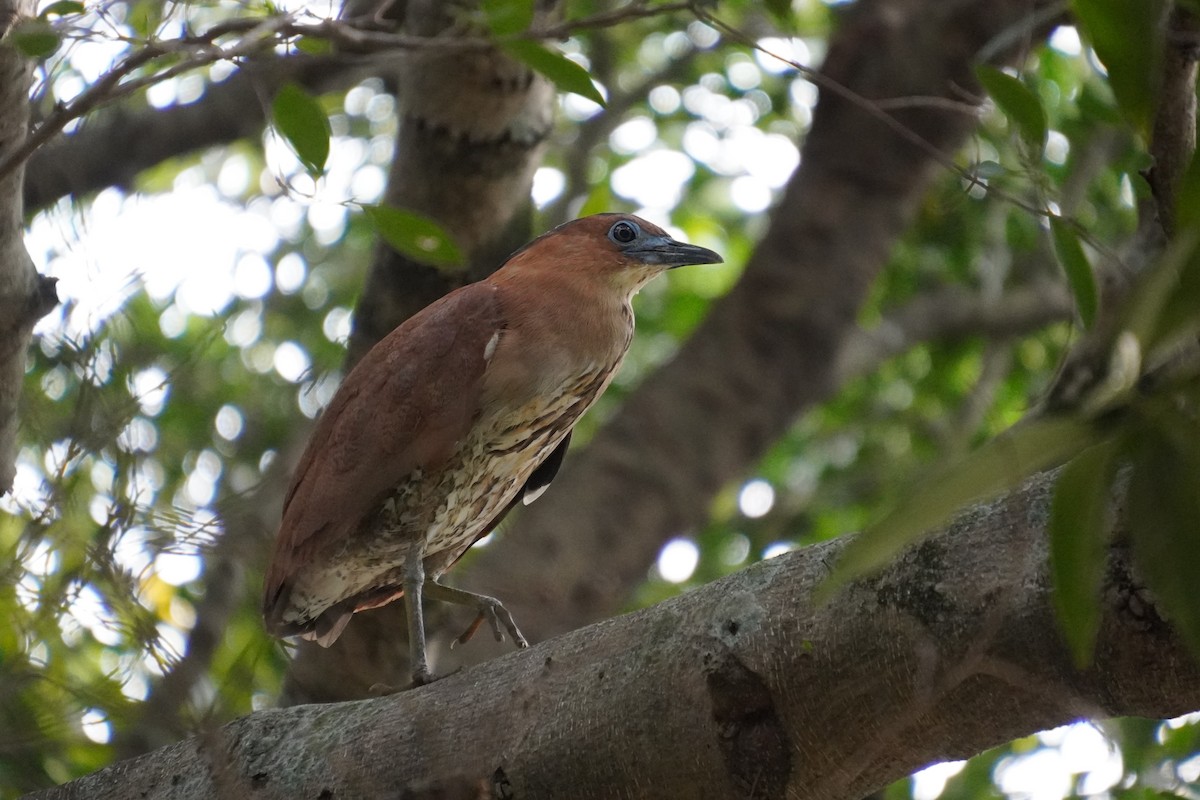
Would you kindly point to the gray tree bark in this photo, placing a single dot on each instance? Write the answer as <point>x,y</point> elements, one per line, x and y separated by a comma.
<point>740,689</point>
<point>25,297</point>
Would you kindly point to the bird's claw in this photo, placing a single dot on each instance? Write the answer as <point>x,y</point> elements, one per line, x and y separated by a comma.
<point>469,632</point>
<point>382,689</point>
<point>496,616</point>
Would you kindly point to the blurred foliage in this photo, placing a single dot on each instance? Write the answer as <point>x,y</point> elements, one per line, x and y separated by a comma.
<point>151,418</point>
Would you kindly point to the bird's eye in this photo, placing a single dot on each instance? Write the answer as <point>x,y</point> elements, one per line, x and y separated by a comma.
<point>623,232</point>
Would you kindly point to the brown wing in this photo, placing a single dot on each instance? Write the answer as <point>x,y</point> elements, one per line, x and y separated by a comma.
<point>405,405</point>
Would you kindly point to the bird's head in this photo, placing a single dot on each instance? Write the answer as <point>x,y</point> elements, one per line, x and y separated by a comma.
<point>620,251</point>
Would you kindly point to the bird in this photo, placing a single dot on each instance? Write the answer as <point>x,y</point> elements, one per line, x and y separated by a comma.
<point>460,413</point>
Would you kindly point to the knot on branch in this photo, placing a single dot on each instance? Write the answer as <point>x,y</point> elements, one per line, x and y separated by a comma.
<point>43,299</point>
<point>752,739</point>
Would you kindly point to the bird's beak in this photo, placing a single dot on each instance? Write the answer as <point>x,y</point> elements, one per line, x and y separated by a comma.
<point>665,251</point>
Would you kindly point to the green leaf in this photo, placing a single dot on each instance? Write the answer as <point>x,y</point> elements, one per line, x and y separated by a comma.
<point>781,10</point>
<point>1080,526</point>
<point>562,71</point>
<point>300,119</point>
<point>1079,272</point>
<point>62,8</point>
<point>144,16</point>
<point>415,236</point>
<point>1019,103</point>
<point>507,17</point>
<point>1164,519</point>
<point>1143,312</point>
<point>1187,197</point>
<point>997,466</point>
<point>34,38</point>
<point>1126,37</point>
<point>313,45</point>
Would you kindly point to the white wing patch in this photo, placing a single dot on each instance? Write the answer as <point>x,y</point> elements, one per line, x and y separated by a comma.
<point>529,497</point>
<point>489,349</point>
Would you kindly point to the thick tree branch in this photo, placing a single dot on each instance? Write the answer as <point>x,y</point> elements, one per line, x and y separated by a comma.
<point>740,689</point>
<point>950,314</point>
<point>98,155</point>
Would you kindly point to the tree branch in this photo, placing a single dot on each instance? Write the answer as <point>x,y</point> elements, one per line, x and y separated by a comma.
<point>741,689</point>
<point>1173,139</point>
<point>98,154</point>
<point>950,314</point>
<point>232,110</point>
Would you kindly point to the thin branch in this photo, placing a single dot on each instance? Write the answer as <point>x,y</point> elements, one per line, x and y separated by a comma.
<point>109,87</point>
<point>607,19</point>
<point>97,154</point>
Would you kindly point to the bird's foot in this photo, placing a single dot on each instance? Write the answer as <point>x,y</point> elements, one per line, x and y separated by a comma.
<point>422,676</point>
<point>496,615</point>
<point>382,689</point>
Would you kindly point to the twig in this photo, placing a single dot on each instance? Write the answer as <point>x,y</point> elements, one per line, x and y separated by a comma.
<point>607,19</point>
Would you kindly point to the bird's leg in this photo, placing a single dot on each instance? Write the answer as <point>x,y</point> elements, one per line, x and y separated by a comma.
<point>489,609</point>
<point>414,586</point>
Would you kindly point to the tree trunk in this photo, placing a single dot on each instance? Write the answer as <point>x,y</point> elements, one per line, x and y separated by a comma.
<point>25,297</point>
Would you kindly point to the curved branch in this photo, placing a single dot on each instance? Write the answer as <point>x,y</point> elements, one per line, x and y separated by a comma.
<point>739,689</point>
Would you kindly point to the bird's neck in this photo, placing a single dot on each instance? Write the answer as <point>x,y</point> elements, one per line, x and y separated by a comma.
<point>568,322</point>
